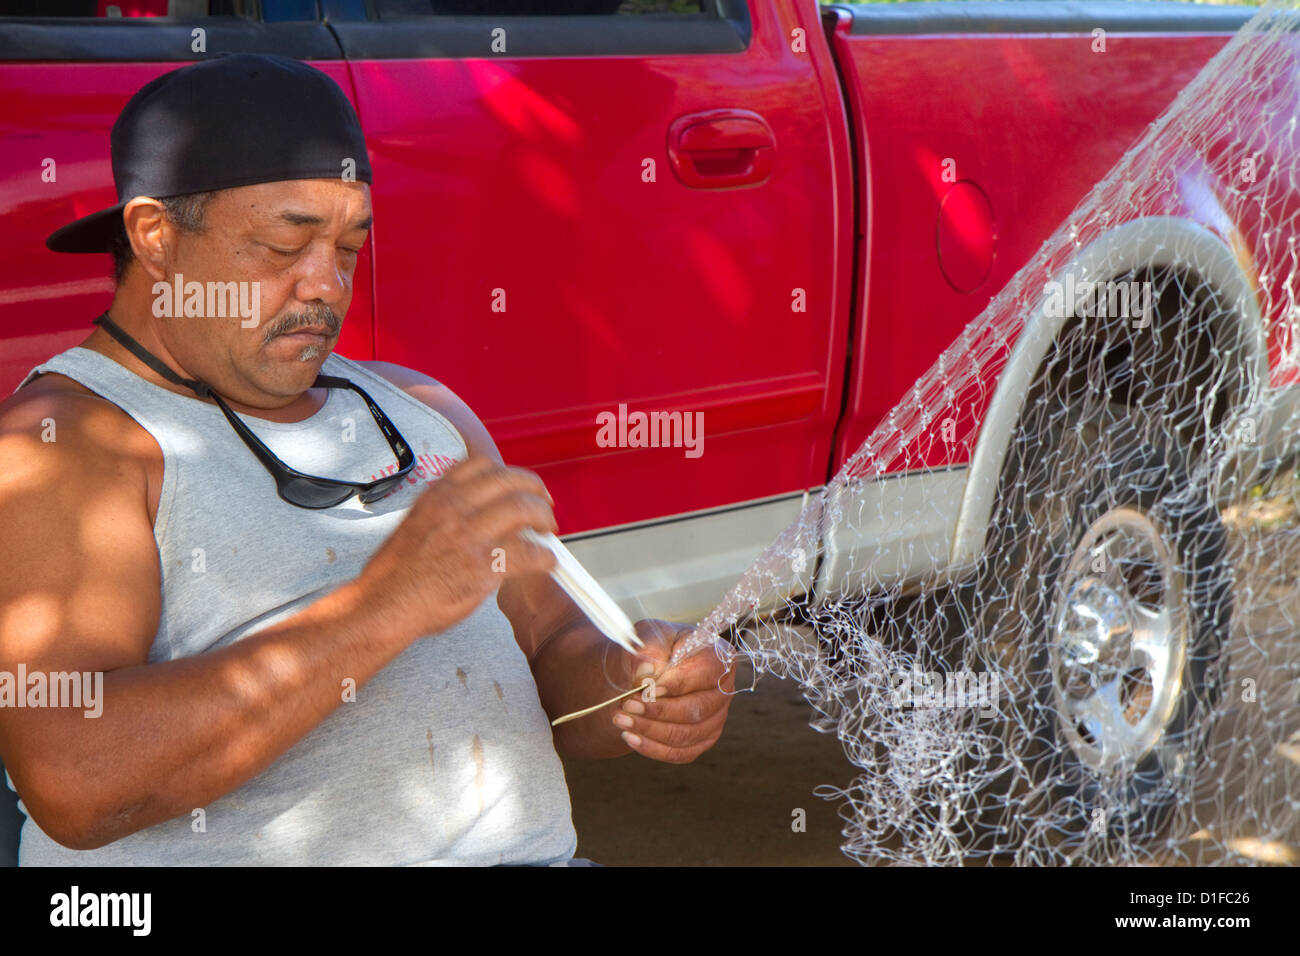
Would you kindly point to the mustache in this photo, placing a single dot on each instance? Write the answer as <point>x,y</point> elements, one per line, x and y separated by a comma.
<point>312,317</point>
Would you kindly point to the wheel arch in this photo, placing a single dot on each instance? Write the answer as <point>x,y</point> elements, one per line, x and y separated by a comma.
<point>1152,242</point>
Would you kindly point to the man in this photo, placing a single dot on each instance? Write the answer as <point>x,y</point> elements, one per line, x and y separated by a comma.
<point>287,581</point>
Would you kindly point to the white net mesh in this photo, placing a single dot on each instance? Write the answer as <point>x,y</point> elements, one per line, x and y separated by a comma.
<point>1098,662</point>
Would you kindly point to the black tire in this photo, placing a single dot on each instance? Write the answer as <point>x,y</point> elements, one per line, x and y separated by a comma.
<point>1114,480</point>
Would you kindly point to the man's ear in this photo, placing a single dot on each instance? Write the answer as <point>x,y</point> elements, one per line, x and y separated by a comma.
<point>151,235</point>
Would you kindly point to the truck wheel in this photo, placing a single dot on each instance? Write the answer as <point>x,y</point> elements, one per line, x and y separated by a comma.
<point>1112,603</point>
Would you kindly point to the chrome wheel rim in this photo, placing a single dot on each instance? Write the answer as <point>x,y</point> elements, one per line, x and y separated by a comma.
<point>1118,641</point>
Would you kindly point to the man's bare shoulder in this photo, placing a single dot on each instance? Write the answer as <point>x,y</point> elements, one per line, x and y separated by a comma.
<point>441,399</point>
<point>401,376</point>
<point>58,435</point>
<point>61,419</point>
<point>75,528</point>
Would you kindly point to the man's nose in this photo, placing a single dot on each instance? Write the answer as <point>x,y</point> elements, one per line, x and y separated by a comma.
<point>325,277</point>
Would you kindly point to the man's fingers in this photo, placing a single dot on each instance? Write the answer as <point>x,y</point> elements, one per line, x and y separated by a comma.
<point>703,671</point>
<point>672,743</point>
<point>524,557</point>
<point>511,514</point>
<point>657,751</point>
<point>689,709</point>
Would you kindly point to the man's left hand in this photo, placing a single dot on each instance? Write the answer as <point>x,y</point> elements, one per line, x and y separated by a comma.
<point>690,700</point>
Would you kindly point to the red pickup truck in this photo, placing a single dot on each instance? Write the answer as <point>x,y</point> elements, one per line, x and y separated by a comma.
<point>761,219</point>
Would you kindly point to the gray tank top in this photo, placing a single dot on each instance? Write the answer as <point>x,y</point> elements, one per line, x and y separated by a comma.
<point>445,756</point>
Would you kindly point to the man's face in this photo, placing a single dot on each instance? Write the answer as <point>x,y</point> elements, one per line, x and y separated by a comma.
<point>298,241</point>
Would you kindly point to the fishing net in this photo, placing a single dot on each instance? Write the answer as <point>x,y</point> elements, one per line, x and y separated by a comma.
<point>1049,606</point>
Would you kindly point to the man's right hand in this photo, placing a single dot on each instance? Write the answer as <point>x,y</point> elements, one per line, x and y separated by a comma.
<point>457,544</point>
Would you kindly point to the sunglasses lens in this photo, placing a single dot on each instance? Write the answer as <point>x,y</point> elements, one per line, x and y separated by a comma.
<point>310,494</point>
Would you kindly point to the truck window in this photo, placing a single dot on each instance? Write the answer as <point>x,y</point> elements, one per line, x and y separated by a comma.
<point>391,8</point>
<point>137,31</point>
<point>442,29</point>
<point>128,9</point>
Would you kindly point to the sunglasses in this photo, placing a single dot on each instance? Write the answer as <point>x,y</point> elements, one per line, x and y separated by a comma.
<point>309,491</point>
<point>301,490</point>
